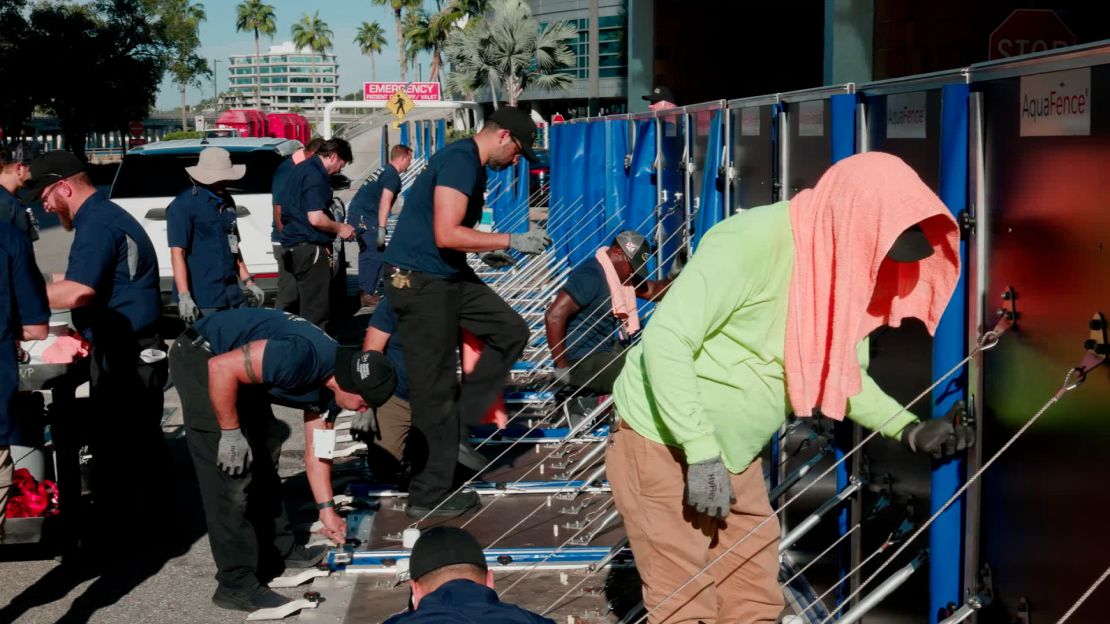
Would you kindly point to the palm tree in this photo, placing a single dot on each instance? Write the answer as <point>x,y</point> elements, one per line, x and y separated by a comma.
<point>429,33</point>
<point>510,48</point>
<point>254,15</point>
<point>183,22</point>
<point>313,33</point>
<point>398,6</point>
<point>370,40</point>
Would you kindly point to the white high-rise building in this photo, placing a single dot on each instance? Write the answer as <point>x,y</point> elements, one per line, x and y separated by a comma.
<point>286,79</point>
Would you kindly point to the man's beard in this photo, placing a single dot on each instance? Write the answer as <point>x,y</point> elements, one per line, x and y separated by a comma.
<point>67,221</point>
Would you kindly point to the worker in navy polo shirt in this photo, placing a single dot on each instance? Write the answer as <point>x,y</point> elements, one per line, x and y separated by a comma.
<point>111,286</point>
<point>369,212</point>
<point>228,369</point>
<point>308,228</point>
<point>23,316</point>
<point>582,331</point>
<point>434,292</point>
<point>209,273</point>
<point>15,169</point>
<point>287,287</point>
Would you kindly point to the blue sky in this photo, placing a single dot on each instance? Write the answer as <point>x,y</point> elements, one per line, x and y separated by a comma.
<point>219,40</point>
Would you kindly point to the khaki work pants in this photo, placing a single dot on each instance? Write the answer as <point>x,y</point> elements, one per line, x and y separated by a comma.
<point>672,542</point>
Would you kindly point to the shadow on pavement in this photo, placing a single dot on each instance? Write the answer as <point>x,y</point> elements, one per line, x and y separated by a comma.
<point>122,558</point>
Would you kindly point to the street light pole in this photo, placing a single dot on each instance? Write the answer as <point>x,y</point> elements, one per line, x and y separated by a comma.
<point>215,82</point>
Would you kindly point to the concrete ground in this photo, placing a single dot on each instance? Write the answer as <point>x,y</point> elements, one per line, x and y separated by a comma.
<point>169,582</point>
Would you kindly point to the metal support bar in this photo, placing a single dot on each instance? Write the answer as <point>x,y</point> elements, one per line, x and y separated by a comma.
<point>811,521</point>
<point>794,477</point>
<point>895,581</point>
<point>586,539</point>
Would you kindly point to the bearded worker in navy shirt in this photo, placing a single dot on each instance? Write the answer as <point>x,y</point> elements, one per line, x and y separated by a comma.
<point>111,286</point>
<point>229,368</point>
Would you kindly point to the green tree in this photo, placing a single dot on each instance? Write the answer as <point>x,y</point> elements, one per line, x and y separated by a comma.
<point>313,33</point>
<point>508,48</point>
<point>398,6</point>
<point>370,41</point>
<point>429,33</point>
<point>182,19</point>
<point>258,17</point>
<point>17,104</point>
<point>99,64</point>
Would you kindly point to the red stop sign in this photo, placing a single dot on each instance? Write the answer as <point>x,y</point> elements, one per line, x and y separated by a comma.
<point>136,128</point>
<point>1027,31</point>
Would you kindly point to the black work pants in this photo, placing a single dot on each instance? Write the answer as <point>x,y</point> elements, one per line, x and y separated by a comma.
<point>287,299</point>
<point>310,267</point>
<point>430,311</point>
<point>130,456</point>
<point>247,526</point>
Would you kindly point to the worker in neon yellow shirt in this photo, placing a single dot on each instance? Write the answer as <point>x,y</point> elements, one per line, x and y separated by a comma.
<point>715,374</point>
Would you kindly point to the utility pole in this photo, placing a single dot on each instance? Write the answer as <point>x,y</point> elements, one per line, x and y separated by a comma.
<point>215,83</point>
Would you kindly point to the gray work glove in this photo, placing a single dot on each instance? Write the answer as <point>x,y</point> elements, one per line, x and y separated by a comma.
<point>498,259</point>
<point>531,242</point>
<point>234,454</point>
<point>381,238</point>
<point>187,308</point>
<point>709,488</point>
<point>364,426</point>
<point>940,437</point>
<point>562,375</point>
<point>253,294</point>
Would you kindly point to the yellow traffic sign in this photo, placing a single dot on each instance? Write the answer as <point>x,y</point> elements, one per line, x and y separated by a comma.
<point>399,104</point>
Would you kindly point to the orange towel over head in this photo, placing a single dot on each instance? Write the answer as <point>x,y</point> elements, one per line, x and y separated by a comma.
<point>844,285</point>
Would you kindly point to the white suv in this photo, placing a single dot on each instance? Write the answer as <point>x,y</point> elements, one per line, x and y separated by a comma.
<point>150,176</point>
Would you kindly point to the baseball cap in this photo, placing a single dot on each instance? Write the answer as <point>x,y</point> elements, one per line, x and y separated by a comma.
<point>520,127</point>
<point>660,94</point>
<point>910,246</point>
<point>368,374</point>
<point>443,546</point>
<point>48,169</point>
<point>637,249</point>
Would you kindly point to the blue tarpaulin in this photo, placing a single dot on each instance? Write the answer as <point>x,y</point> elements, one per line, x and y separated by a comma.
<point>441,133</point>
<point>576,169</point>
<point>711,204</point>
<point>616,176</point>
<point>592,213</point>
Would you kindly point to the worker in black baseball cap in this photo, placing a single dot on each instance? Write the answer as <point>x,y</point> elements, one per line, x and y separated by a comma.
<point>434,292</point>
<point>15,171</point>
<point>450,582</point>
<point>584,332</point>
<point>228,368</point>
<point>660,98</point>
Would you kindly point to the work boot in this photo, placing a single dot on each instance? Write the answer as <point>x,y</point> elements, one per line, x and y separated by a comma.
<point>457,504</point>
<point>249,599</point>
<point>470,457</point>
<point>305,557</point>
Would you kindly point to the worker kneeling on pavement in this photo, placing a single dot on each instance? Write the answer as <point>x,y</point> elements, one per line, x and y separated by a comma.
<point>451,583</point>
<point>228,368</point>
<point>209,273</point>
<point>594,315</point>
<point>777,301</point>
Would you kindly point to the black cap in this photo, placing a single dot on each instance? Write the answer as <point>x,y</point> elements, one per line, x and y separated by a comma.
<point>520,127</point>
<point>48,169</point>
<point>368,374</point>
<point>660,94</point>
<point>636,249</point>
<point>910,246</point>
<point>443,546</point>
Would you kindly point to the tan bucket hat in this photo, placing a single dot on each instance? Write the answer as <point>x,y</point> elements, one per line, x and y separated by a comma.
<point>215,166</point>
